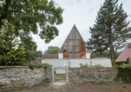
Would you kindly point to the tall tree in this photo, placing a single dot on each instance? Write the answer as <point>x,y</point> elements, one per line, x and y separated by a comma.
<point>96,44</point>
<point>115,29</point>
<point>52,50</point>
<point>11,53</point>
<point>25,15</point>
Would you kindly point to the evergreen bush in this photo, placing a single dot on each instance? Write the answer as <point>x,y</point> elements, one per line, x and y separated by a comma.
<point>11,53</point>
<point>124,73</point>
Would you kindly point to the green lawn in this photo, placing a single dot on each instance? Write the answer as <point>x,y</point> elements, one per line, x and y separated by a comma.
<point>60,76</point>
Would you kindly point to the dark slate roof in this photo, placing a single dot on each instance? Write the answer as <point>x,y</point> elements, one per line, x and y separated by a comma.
<point>126,53</point>
<point>50,56</point>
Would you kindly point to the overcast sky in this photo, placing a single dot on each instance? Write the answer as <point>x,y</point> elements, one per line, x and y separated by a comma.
<point>80,12</point>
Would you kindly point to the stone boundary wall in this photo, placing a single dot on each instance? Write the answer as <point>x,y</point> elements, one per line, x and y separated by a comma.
<point>91,75</point>
<point>15,77</point>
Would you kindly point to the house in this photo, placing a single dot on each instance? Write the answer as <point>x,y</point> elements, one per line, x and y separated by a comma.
<point>73,52</point>
<point>125,54</point>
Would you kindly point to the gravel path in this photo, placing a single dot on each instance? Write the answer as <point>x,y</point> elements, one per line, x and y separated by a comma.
<point>87,87</point>
<point>44,87</point>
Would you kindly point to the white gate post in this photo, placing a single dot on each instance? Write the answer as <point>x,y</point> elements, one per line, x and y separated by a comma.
<point>66,72</point>
<point>52,74</point>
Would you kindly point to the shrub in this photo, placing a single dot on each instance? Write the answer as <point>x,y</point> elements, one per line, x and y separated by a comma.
<point>86,65</point>
<point>97,65</point>
<point>82,65</point>
<point>33,65</point>
<point>121,63</point>
<point>11,52</point>
<point>124,73</point>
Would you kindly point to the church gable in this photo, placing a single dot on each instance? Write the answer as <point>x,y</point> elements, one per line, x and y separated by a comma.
<point>74,46</point>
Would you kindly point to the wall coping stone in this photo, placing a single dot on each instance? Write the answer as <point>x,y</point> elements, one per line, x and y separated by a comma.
<point>92,67</point>
<point>7,67</point>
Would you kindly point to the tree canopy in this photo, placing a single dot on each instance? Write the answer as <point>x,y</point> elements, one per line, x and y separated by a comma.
<point>111,30</point>
<point>11,52</point>
<point>105,54</point>
<point>26,15</point>
<point>52,50</point>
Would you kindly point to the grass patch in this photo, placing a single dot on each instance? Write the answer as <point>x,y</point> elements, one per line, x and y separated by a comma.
<point>60,76</point>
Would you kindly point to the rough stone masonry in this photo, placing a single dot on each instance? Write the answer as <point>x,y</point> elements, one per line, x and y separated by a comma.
<point>14,77</point>
<point>91,75</point>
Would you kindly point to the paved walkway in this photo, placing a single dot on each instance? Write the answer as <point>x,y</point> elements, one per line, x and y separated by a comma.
<point>58,84</point>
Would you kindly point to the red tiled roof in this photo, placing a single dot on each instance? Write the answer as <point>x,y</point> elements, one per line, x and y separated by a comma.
<point>126,53</point>
<point>50,56</point>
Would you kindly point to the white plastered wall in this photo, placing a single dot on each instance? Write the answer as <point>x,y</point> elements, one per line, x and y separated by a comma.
<point>88,55</point>
<point>76,62</point>
<point>60,55</point>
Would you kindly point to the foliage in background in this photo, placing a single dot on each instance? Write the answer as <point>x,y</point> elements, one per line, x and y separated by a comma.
<point>33,65</point>
<point>39,53</point>
<point>124,73</point>
<point>105,53</point>
<point>86,65</point>
<point>52,50</point>
<point>11,53</point>
<point>31,47</point>
<point>111,30</point>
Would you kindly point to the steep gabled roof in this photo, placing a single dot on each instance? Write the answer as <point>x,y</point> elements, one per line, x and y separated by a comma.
<point>73,35</point>
<point>126,53</point>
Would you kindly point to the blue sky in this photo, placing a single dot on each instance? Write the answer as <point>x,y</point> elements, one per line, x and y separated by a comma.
<point>80,12</point>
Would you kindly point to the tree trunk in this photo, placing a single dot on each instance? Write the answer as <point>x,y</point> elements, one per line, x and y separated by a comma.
<point>111,46</point>
<point>101,54</point>
<point>112,55</point>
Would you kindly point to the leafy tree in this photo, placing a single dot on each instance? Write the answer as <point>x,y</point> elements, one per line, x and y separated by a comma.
<point>31,47</point>
<point>52,50</point>
<point>111,26</point>
<point>11,53</point>
<point>25,15</point>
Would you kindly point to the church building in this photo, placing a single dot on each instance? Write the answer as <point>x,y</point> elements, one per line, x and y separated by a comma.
<point>73,53</point>
<point>74,46</point>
